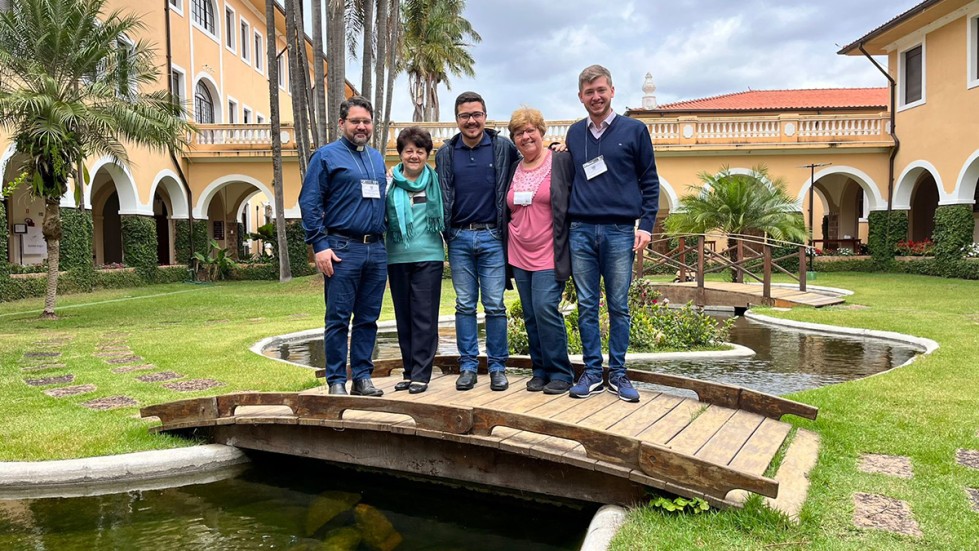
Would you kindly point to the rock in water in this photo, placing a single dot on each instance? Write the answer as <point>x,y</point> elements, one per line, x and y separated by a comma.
<point>327,506</point>
<point>379,534</point>
<point>342,539</point>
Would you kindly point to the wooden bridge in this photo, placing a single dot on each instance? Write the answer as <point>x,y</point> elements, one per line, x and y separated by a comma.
<point>708,440</point>
<point>746,257</point>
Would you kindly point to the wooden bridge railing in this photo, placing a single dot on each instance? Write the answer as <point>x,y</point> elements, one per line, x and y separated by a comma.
<point>692,256</point>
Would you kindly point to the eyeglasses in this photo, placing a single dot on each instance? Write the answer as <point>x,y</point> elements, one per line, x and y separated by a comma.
<point>358,122</point>
<point>475,115</point>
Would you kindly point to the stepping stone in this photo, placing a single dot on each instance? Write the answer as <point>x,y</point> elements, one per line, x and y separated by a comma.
<point>41,354</point>
<point>110,402</point>
<point>192,385</point>
<point>43,367</point>
<point>973,495</point>
<point>123,360</point>
<point>879,512</point>
<point>157,377</point>
<point>114,354</point>
<point>45,381</point>
<point>892,465</point>
<point>131,368</point>
<point>69,390</point>
<point>967,458</point>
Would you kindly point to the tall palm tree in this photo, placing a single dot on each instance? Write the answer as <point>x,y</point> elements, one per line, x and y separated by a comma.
<point>739,204</point>
<point>271,47</point>
<point>436,43</point>
<point>74,82</point>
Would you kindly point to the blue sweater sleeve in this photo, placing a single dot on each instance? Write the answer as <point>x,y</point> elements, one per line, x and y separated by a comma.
<point>648,180</point>
<point>311,202</point>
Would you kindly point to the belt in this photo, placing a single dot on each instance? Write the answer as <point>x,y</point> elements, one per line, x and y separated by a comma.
<point>369,238</point>
<point>476,227</point>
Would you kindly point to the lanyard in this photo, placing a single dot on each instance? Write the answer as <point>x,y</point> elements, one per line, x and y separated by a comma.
<point>363,166</point>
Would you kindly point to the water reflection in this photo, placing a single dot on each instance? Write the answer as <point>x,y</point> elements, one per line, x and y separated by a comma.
<point>786,360</point>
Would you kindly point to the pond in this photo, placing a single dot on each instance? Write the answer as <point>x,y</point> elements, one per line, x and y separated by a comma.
<point>786,360</point>
<point>286,503</point>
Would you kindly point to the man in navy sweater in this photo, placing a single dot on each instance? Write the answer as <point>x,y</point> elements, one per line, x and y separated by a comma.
<point>615,183</point>
<point>342,203</point>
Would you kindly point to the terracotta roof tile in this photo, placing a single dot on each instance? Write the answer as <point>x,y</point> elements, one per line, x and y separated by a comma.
<point>777,100</point>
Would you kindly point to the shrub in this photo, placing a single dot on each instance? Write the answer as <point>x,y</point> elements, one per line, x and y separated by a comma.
<point>77,235</point>
<point>181,241</point>
<point>139,245</point>
<point>971,251</point>
<point>924,247</point>
<point>884,231</point>
<point>954,225</point>
<point>4,265</point>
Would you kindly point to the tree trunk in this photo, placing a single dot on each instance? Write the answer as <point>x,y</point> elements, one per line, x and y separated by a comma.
<point>394,40</point>
<point>382,38</point>
<point>367,58</point>
<point>51,229</point>
<point>285,269</point>
<point>416,89</point>
<point>336,79</point>
<point>297,84</point>
<point>318,74</point>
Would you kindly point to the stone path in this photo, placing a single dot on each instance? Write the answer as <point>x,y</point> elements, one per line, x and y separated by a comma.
<point>113,349</point>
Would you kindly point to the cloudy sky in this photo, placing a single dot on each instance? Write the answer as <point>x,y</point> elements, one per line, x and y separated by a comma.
<point>532,50</point>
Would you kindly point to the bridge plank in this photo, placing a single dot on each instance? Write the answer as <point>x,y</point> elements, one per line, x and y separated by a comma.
<point>430,416</point>
<point>691,472</point>
<point>649,412</point>
<point>700,430</point>
<point>672,423</point>
<point>728,441</point>
<point>756,454</point>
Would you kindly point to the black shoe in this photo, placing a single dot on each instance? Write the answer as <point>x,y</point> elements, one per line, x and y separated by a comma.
<point>536,384</point>
<point>557,387</point>
<point>498,381</point>
<point>364,387</point>
<point>403,385</point>
<point>338,388</point>
<point>466,380</point>
<point>417,388</point>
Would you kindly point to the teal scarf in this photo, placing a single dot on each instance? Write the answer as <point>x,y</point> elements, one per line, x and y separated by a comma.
<point>401,225</point>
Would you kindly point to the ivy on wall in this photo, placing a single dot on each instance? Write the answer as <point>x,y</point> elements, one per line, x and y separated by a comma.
<point>181,240</point>
<point>4,264</point>
<point>298,250</point>
<point>77,236</point>
<point>139,245</point>
<point>954,225</point>
<point>884,231</point>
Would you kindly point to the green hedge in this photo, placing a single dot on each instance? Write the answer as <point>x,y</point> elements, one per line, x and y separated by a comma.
<point>139,245</point>
<point>77,236</point>
<point>298,249</point>
<point>883,234</point>
<point>181,240</point>
<point>4,253</point>
<point>953,231</point>
<point>68,283</point>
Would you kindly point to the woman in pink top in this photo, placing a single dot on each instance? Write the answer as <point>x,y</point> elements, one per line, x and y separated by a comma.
<point>536,242</point>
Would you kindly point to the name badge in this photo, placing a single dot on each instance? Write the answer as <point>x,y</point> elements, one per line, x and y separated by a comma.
<point>370,189</point>
<point>595,167</point>
<point>523,198</point>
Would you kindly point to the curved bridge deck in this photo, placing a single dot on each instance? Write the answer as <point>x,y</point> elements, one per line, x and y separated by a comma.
<point>744,295</point>
<point>597,449</point>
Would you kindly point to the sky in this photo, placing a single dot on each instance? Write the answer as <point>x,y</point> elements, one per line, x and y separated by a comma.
<point>532,50</point>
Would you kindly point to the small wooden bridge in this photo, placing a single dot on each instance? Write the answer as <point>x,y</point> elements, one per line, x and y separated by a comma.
<point>707,440</point>
<point>692,256</point>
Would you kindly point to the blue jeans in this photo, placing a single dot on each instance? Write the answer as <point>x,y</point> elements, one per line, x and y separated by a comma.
<point>603,251</point>
<point>540,296</point>
<point>479,271</point>
<point>356,288</point>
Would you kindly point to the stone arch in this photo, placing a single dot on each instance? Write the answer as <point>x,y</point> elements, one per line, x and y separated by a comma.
<point>170,182</point>
<point>967,185</point>
<point>214,90</point>
<point>870,188</point>
<point>905,183</point>
<point>124,182</point>
<point>221,204</point>
<point>200,209</point>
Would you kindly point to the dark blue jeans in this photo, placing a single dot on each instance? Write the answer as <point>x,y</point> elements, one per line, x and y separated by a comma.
<point>479,272</point>
<point>355,289</point>
<point>540,296</point>
<point>603,252</point>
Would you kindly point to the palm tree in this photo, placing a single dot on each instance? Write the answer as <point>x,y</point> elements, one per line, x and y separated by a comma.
<point>271,45</point>
<point>71,85</point>
<point>739,204</point>
<point>435,45</point>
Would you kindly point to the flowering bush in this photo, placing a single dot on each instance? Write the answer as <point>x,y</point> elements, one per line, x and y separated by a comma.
<point>971,251</point>
<point>924,247</point>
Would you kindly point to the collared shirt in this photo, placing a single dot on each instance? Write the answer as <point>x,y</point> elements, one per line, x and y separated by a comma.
<point>474,179</point>
<point>597,131</point>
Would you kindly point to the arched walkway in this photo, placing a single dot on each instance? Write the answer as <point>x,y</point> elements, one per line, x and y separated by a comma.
<point>112,193</point>
<point>222,203</point>
<point>845,195</point>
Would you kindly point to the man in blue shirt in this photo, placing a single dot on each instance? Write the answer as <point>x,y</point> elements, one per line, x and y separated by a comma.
<point>615,183</point>
<point>342,204</point>
<point>472,169</point>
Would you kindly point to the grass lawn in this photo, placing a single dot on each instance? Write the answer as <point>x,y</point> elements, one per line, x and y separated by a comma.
<point>925,411</point>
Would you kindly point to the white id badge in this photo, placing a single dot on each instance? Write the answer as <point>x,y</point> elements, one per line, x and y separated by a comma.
<point>595,167</point>
<point>370,189</point>
<point>523,198</point>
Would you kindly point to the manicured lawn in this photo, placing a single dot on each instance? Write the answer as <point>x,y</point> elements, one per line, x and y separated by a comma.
<point>925,411</point>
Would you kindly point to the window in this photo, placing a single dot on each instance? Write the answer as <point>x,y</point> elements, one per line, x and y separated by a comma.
<point>259,51</point>
<point>246,115</point>
<point>912,76</point>
<point>232,111</point>
<point>203,104</point>
<point>229,25</point>
<point>973,54</point>
<point>202,13</point>
<point>218,230</point>
<point>127,85</point>
<point>260,119</point>
<point>244,39</point>
<point>281,62</point>
<point>177,80</point>
<point>176,5</point>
